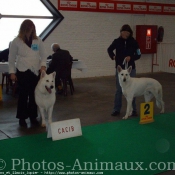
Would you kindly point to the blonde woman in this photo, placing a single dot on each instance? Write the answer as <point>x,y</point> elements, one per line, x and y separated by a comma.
<point>26,58</point>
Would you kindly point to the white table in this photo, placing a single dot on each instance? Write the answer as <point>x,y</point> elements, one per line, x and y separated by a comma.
<point>79,65</point>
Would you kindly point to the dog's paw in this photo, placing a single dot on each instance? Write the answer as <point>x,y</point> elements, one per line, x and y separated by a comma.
<point>125,117</point>
<point>43,125</point>
<point>130,114</point>
<point>49,121</point>
<point>162,111</point>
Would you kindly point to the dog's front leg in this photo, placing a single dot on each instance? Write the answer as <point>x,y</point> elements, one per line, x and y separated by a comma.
<point>50,110</point>
<point>129,108</point>
<point>42,112</point>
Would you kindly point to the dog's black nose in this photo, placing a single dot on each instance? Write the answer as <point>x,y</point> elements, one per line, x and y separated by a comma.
<point>51,87</point>
<point>124,79</point>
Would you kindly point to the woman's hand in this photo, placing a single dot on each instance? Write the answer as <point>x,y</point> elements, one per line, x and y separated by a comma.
<point>127,58</point>
<point>13,77</point>
<point>43,68</point>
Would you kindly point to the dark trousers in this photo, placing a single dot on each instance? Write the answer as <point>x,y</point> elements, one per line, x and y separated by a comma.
<point>26,107</point>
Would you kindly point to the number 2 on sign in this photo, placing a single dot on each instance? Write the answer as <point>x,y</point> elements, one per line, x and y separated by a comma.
<point>146,113</point>
<point>147,109</point>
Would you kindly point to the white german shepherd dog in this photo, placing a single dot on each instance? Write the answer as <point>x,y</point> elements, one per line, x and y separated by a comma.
<point>45,96</point>
<point>133,87</point>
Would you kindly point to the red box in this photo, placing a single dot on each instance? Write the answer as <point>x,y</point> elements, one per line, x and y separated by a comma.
<point>146,36</point>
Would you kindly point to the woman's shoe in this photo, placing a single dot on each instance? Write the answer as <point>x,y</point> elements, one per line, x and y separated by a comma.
<point>22,123</point>
<point>134,114</point>
<point>115,113</point>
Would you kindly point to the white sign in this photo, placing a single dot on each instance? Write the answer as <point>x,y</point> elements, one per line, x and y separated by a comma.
<point>71,4</point>
<point>64,129</point>
<point>154,8</point>
<point>123,6</point>
<point>88,5</point>
<point>106,6</point>
<point>139,7</point>
<point>169,9</point>
<point>148,42</point>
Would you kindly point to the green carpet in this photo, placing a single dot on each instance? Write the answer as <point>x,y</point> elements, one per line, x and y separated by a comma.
<point>110,148</point>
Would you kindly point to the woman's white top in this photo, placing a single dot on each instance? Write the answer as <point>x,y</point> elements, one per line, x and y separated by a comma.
<point>25,57</point>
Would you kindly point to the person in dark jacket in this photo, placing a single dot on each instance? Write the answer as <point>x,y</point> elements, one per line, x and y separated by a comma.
<point>61,62</point>
<point>4,55</point>
<point>126,53</point>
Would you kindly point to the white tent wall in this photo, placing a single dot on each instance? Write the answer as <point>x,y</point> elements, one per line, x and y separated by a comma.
<point>87,35</point>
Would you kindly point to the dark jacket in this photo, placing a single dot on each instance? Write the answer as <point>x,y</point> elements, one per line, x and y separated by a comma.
<point>61,63</point>
<point>4,55</point>
<point>124,48</point>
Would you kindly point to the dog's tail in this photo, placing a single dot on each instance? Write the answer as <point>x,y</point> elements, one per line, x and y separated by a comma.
<point>158,104</point>
<point>159,98</point>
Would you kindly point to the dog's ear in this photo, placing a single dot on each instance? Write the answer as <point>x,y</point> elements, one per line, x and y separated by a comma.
<point>54,74</point>
<point>129,69</point>
<point>43,73</point>
<point>119,69</point>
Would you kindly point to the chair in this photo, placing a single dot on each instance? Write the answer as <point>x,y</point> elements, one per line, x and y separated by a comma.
<point>65,82</point>
<point>6,78</point>
<point>68,81</point>
<point>9,83</point>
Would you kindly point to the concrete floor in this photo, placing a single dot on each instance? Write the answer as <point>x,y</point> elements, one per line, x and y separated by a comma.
<point>92,102</point>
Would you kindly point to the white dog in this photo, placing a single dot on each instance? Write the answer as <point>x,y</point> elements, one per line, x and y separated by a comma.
<point>45,96</point>
<point>133,87</point>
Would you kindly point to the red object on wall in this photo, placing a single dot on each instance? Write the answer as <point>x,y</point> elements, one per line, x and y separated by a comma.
<point>146,36</point>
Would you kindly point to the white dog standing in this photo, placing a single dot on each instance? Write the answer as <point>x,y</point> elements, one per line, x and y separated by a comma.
<point>45,96</point>
<point>133,87</point>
